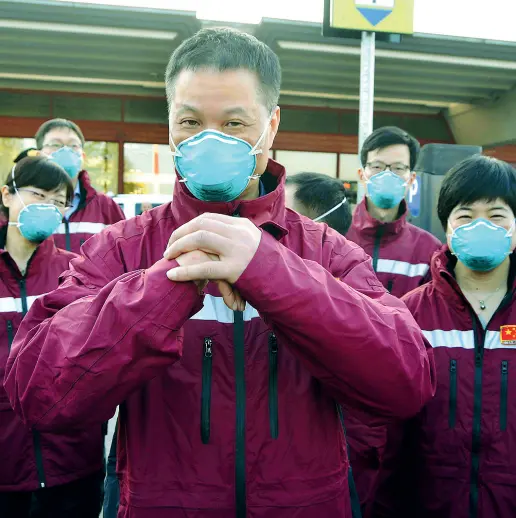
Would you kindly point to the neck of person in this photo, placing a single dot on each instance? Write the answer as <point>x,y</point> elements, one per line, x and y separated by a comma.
<point>19,248</point>
<point>252,191</point>
<point>483,283</point>
<point>382,215</point>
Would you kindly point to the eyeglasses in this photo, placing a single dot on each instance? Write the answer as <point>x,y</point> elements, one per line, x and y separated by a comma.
<point>378,167</point>
<point>60,204</point>
<point>56,146</point>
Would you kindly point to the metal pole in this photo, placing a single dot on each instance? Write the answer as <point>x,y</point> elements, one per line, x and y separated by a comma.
<point>365,124</point>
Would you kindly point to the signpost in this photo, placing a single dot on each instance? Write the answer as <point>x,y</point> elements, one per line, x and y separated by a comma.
<point>369,19</point>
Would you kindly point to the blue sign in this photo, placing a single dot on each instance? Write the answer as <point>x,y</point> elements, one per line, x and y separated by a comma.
<point>414,197</point>
<point>375,11</point>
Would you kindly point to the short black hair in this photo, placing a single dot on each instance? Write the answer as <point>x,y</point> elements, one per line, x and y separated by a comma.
<point>57,123</point>
<point>40,172</point>
<point>474,179</point>
<point>224,49</point>
<point>321,193</point>
<point>390,136</point>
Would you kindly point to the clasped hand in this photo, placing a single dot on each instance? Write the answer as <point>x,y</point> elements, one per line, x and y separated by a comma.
<point>214,247</point>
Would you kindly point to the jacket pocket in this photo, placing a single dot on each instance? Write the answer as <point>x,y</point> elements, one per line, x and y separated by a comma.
<point>452,413</point>
<point>10,334</point>
<point>273,386</point>
<point>207,359</point>
<point>503,395</point>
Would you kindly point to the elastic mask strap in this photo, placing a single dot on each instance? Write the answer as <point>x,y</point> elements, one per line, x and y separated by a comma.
<point>176,151</point>
<point>16,187</point>
<point>343,202</point>
<point>255,150</point>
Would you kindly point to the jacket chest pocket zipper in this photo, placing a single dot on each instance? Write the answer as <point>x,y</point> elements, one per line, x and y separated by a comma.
<point>503,395</point>
<point>207,360</point>
<point>453,394</point>
<point>10,334</point>
<point>273,386</point>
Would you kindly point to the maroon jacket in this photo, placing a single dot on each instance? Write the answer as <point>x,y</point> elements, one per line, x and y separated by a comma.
<point>401,252</point>
<point>401,255</point>
<point>463,443</point>
<point>30,459</point>
<point>96,211</point>
<point>222,413</point>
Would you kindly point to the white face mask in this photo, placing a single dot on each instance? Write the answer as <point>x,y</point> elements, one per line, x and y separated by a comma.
<point>343,202</point>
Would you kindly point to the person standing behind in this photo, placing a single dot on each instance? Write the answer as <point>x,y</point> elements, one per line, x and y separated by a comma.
<point>401,255</point>
<point>91,211</point>
<point>320,198</point>
<point>41,474</point>
<point>401,252</point>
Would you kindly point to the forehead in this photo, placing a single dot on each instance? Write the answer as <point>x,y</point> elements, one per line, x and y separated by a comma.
<point>398,153</point>
<point>482,205</point>
<point>62,134</point>
<point>214,91</point>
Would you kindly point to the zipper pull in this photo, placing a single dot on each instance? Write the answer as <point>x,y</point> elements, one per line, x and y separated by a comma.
<point>208,343</point>
<point>453,365</point>
<point>505,367</point>
<point>273,343</point>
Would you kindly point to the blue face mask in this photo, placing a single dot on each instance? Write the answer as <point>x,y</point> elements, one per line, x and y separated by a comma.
<point>37,221</point>
<point>69,160</point>
<point>481,245</point>
<point>386,189</point>
<point>215,166</point>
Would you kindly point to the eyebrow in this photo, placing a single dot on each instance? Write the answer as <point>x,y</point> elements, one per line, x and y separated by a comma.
<point>237,110</point>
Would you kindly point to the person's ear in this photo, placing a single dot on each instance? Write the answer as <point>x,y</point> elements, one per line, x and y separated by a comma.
<point>6,196</point>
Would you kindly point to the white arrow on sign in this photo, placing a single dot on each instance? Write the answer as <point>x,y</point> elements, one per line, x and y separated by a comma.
<point>375,3</point>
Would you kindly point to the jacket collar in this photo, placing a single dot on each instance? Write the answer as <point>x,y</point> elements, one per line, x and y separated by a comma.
<point>87,190</point>
<point>37,262</point>
<point>443,276</point>
<point>366,225</point>
<point>267,212</point>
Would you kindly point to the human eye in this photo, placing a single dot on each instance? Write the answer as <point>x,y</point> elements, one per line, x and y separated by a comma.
<point>189,123</point>
<point>234,124</point>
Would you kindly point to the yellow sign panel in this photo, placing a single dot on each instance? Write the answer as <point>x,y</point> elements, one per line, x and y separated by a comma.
<point>393,16</point>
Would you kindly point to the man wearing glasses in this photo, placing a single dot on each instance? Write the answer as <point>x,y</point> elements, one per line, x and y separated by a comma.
<point>91,211</point>
<point>401,252</point>
<point>401,255</point>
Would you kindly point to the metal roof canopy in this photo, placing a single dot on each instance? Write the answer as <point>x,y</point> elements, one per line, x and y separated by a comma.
<point>47,45</point>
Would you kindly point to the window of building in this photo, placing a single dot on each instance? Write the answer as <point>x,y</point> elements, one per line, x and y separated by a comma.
<point>102,165</point>
<point>10,148</point>
<point>148,169</point>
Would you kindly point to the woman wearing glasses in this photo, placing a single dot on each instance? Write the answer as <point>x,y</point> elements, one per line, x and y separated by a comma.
<point>41,475</point>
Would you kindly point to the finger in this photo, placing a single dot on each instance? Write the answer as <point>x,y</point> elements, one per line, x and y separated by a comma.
<point>200,240</point>
<point>205,222</point>
<point>210,270</point>
<point>231,297</point>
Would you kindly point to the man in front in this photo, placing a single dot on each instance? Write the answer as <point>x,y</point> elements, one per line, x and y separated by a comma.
<point>91,211</point>
<point>401,252</point>
<point>223,412</point>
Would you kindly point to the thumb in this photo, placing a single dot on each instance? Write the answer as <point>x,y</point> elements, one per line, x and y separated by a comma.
<point>231,297</point>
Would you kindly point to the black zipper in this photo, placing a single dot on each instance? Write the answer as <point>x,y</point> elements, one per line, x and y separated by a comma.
<point>376,249</point>
<point>67,235</point>
<point>452,412</point>
<point>390,285</point>
<point>503,395</point>
<point>240,482</point>
<point>206,390</point>
<point>479,338</point>
<point>35,434</point>
<point>10,334</point>
<point>273,385</point>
